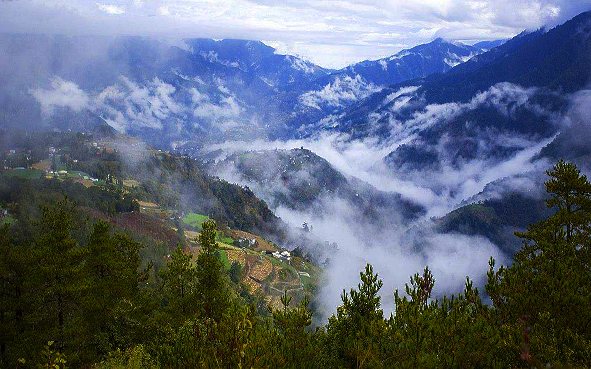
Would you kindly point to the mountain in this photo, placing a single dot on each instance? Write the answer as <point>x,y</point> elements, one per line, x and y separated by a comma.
<point>163,93</point>
<point>516,89</point>
<point>485,46</point>
<point>437,56</point>
<point>504,113</point>
<point>343,88</point>
<point>496,219</point>
<point>282,72</point>
<point>193,92</point>
<point>298,179</point>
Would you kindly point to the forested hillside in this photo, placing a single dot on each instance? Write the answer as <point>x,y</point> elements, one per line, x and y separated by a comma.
<point>78,292</point>
<point>174,196</point>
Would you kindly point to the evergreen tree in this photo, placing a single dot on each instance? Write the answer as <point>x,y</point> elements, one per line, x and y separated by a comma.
<point>13,271</point>
<point>294,341</point>
<point>180,279</point>
<point>59,274</point>
<point>211,286</point>
<point>236,272</point>
<point>111,270</point>
<point>545,295</point>
<point>354,335</point>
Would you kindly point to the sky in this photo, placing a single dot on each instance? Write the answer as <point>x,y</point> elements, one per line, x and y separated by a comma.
<point>331,33</point>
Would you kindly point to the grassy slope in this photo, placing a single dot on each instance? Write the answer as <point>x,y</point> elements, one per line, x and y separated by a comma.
<point>195,220</point>
<point>24,173</point>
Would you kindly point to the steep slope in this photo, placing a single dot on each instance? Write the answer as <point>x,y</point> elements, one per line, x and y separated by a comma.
<point>300,180</point>
<point>165,94</point>
<point>496,219</point>
<point>281,72</point>
<point>345,87</point>
<point>508,112</point>
<point>516,90</point>
<point>437,56</point>
<point>557,59</point>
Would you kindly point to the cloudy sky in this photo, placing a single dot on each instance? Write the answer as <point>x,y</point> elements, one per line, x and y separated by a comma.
<point>332,33</point>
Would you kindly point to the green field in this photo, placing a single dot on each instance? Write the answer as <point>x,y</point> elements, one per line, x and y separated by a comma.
<point>224,239</point>
<point>77,174</point>
<point>24,173</point>
<point>195,220</point>
<point>224,259</point>
<point>58,164</point>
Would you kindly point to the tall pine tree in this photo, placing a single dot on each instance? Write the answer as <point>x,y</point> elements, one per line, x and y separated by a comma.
<point>546,293</point>
<point>211,286</point>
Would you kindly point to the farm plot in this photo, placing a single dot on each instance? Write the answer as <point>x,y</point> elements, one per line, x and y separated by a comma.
<point>252,285</point>
<point>24,173</point>
<point>195,220</point>
<point>234,255</point>
<point>261,270</point>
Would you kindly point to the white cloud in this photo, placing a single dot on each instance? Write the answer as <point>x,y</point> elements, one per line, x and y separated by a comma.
<point>229,108</point>
<point>111,9</point>
<point>164,10</point>
<point>441,190</point>
<point>344,89</point>
<point>128,104</point>
<point>61,94</point>
<point>332,33</point>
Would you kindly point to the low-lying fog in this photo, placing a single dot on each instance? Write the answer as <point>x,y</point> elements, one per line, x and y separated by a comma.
<point>402,250</point>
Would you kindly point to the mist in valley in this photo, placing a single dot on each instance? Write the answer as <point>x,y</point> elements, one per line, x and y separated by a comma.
<point>409,169</point>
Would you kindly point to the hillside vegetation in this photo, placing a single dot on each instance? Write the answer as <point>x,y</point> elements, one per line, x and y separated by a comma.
<point>77,291</point>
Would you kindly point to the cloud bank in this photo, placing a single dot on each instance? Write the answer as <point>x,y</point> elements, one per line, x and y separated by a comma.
<point>331,33</point>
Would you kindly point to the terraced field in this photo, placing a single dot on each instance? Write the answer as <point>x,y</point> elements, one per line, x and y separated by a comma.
<point>262,269</point>
<point>261,243</point>
<point>253,286</point>
<point>234,255</point>
<point>6,220</point>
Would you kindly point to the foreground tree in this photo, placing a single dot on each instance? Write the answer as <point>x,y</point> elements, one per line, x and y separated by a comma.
<point>211,285</point>
<point>111,275</point>
<point>14,268</point>
<point>545,295</point>
<point>354,336</point>
<point>180,280</point>
<point>59,278</point>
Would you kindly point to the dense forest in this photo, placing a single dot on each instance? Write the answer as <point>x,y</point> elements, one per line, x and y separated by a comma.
<point>77,292</point>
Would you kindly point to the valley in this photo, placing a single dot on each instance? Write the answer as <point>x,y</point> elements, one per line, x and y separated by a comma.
<point>199,202</point>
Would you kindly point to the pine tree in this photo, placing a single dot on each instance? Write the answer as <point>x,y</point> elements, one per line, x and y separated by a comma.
<point>293,339</point>
<point>180,279</point>
<point>111,272</point>
<point>13,271</point>
<point>211,286</point>
<point>354,335</point>
<point>547,290</point>
<point>58,273</point>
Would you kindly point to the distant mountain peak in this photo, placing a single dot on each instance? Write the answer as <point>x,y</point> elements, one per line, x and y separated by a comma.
<point>439,40</point>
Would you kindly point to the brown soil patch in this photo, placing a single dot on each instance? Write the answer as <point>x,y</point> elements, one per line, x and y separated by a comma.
<point>234,255</point>
<point>147,204</point>
<point>191,236</point>
<point>131,183</point>
<point>42,165</point>
<point>262,245</point>
<point>147,226</point>
<point>251,259</point>
<point>261,270</point>
<point>252,285</point>
<point>86,182</point>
